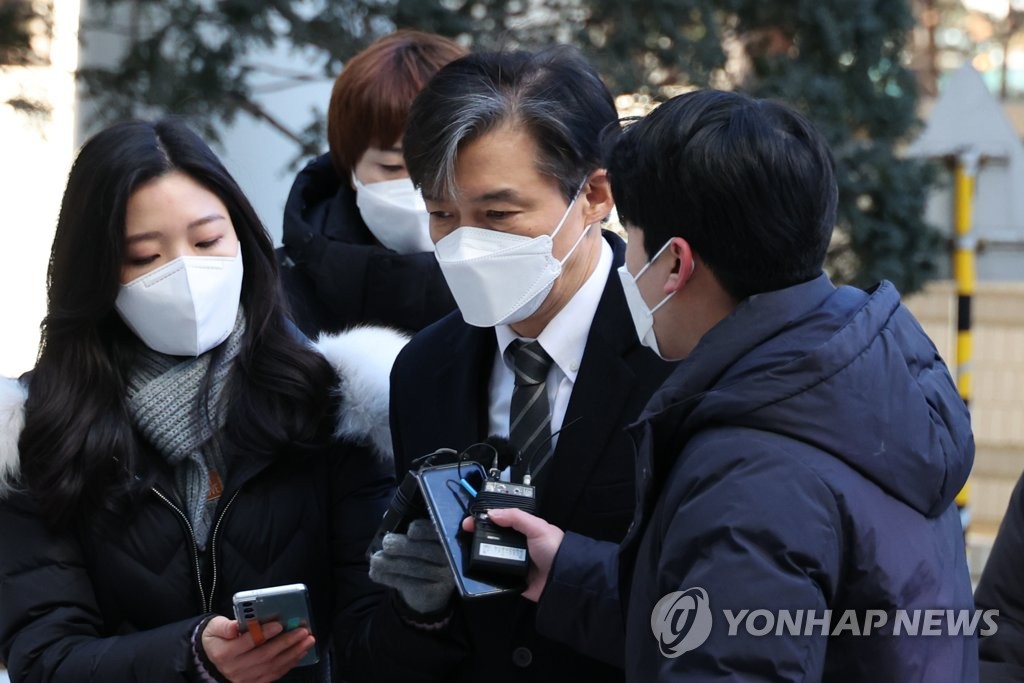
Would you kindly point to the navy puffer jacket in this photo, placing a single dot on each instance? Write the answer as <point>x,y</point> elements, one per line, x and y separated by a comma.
<point>806,456</point>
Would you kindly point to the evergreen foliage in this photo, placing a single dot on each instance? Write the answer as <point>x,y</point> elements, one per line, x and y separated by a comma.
<point>840,61</point>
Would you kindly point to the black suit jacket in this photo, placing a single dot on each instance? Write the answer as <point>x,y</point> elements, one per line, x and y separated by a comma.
<point>439,398</point>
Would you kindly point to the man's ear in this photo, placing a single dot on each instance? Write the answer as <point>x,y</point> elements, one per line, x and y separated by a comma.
<point>598,193</point>
<point>684,265</point>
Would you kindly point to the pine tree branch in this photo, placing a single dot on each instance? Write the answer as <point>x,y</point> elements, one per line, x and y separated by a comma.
<point>259,113</point>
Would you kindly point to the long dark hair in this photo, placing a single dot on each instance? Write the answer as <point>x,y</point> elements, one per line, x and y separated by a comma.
<point>78,443</point>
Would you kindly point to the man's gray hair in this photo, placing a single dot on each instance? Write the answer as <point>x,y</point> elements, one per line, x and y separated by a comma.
<point>554,95</point>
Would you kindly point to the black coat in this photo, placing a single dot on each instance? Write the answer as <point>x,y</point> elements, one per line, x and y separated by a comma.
<point>117,597</point>
<point>335,274</point>
<point>440,399</point>
<point>1002,588</point>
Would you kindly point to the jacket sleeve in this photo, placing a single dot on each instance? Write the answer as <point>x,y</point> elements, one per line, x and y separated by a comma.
<point>580,604</point>
<point>754,529</point>
<point>374,641</point>
<point>400,383</point>
<point>363,485</point>
<point>371,284</point>
<point>1000,587</point>
<point>51,629</point>
<point>394,650</point>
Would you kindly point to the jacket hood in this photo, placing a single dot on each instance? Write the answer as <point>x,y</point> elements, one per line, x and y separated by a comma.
<point>362,358</point>
<point>321,204</point>
<point>849,372</point>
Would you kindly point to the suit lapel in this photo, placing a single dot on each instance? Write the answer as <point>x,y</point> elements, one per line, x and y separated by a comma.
<point>461,409</point>
<point>601,392</point>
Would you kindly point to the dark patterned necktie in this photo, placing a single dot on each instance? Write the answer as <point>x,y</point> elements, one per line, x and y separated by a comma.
<point>530,414</point>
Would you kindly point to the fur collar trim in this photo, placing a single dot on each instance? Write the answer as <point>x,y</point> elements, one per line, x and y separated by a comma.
<point>13,395</point>
<point>362,358</point>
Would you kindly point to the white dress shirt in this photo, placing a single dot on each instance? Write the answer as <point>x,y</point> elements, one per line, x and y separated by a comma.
<point>564,339</point>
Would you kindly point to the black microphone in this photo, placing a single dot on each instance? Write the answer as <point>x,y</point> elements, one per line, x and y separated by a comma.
<point>505,452</point>
<point>494,453</point>
<point>406,505</point>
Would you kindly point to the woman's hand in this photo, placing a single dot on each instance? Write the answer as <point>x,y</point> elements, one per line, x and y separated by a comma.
<point>241,660</point>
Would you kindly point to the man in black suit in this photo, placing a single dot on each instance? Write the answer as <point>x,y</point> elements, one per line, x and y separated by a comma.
<point>506,150</point>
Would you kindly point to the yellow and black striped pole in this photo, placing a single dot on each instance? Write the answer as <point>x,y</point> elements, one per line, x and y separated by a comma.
<point>965,175</point>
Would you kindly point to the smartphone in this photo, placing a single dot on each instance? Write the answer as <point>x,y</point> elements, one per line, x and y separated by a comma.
<point>448,504</point>
<point>288,605</point>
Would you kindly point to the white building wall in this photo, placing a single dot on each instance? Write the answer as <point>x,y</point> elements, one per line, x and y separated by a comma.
<point>258,156</point>
<point>35,155</point>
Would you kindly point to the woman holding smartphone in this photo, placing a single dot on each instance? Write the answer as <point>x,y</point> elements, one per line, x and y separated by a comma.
<point>179,440</point>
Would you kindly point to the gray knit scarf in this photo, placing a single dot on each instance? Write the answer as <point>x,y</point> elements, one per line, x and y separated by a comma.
<point>166,404</point>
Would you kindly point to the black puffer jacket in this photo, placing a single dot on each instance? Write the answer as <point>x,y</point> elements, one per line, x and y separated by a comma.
<point>118,598</point>
<point>334,272</point>
<point>1001,588</point>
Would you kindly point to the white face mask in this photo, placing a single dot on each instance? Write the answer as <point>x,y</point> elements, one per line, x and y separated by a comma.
<point>395,213</point>
<point>185,307</point>
<point>498,278</point>
<point>643,317</point>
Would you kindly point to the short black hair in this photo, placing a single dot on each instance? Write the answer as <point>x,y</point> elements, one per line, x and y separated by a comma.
<point>749,183</point>
<point>555,95</point>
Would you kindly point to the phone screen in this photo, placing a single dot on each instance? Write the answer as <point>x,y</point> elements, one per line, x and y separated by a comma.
<point>448,503</point>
